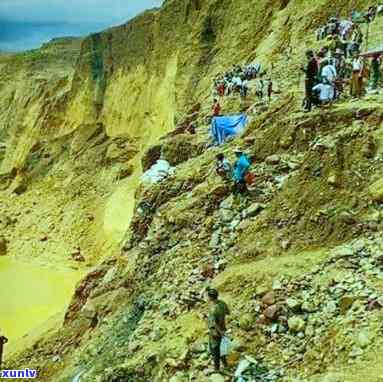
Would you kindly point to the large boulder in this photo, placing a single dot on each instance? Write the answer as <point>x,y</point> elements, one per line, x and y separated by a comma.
<point>269,298</point>
<point>246,322</point>
<point>272,312</point>
<point>296,324</point>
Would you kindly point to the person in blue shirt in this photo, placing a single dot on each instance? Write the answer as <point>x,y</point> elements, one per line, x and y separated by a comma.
<point>241,168</point>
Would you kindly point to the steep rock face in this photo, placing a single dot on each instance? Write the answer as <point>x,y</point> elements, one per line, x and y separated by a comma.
<point>136,77</point>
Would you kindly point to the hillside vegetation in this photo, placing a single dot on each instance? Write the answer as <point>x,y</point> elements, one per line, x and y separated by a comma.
<point>79,122</point>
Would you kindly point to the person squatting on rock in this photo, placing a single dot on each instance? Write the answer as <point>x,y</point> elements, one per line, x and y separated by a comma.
<point>323,93</point>
<point>3,341</point>
<point>223,167</point>
<point>217,327</point>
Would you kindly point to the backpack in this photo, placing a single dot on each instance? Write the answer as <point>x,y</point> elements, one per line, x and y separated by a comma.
<point>250,178</point>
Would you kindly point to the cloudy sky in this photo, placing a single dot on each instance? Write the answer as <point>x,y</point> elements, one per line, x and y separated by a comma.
<point>26,24</point>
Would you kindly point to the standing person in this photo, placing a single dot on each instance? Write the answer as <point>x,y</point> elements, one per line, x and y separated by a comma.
<point>357,77</point>
<point>221,88</point>
<point>216,109</point>
<point>356,39</point>
<point>333,26</point>
<point>329,73</point>
<point>217,327</point>
<point>311,72</point>
<point>244,88</point>
<point>371,13</point>
<point>375,68</point>
<point>260,87</point>
<point>339,61</point>
<point>3,341</point>
<point>334,43</point>
<point>269,89</point>
<point>237,83</point>
<point>340,66</point>
<point>241,168</point>
<point>345,28</point>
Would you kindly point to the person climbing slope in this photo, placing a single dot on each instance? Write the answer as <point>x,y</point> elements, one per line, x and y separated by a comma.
<point>216,109</point>
<point>217,327</point>
<point>241,168</point>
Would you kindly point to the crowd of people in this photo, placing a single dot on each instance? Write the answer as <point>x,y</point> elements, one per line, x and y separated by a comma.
<point>340,62</point>
<point>236,80</point>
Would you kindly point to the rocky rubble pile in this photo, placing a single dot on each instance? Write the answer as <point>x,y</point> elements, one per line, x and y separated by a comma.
<point>333,305</point>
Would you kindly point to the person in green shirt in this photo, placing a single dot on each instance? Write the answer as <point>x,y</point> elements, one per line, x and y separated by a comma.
<point>217,327</point>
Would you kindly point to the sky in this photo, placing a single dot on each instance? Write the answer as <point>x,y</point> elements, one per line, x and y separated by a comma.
<point>26,24</point>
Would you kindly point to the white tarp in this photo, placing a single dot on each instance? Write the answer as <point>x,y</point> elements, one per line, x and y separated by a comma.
<point>158,172</point>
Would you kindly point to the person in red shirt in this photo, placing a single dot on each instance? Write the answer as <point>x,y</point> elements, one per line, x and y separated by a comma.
<point>221,89</point>
<point>216,108</point>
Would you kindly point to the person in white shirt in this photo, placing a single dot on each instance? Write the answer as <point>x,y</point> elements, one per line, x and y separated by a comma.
<point>356,89</point>
<point>326,92</point>
<point>329,71</point>
<point>345,28</point>
<point>237,82</point>
<point>329,74</point>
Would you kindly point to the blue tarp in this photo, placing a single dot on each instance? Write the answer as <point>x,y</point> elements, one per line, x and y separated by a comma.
<point>227,126</point>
